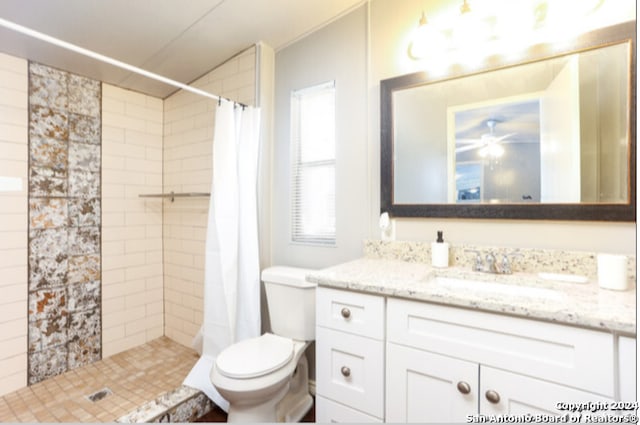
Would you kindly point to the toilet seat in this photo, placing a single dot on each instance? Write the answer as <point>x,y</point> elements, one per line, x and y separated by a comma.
<point>255,357</point>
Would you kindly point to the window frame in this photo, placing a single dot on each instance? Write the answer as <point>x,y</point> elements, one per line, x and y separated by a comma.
<point>298,167</point>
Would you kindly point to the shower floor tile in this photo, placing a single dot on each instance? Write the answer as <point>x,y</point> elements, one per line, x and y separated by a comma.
<point>133,377</point>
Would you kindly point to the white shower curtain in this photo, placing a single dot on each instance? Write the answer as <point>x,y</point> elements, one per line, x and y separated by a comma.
<point>232,268</point>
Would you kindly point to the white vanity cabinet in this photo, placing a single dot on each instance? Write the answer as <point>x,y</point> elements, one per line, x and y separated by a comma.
<point>445,364</point>
<point>413,361</point>
<point>349,356</point>
<point>627,368</point>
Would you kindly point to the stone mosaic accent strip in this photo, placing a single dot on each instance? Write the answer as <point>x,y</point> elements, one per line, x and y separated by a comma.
<point>64,222</point>
<point>184,404</point>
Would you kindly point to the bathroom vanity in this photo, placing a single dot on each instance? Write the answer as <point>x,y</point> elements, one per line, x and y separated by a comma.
<point>399,341</point>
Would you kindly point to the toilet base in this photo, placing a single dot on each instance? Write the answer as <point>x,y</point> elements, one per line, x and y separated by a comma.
<point>290,404</point>
<point>298,401</point>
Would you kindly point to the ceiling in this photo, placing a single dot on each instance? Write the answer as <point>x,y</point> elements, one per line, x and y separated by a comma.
<point>178,39</point>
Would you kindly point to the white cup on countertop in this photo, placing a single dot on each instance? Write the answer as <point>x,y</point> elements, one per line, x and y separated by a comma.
<point>612,272</point>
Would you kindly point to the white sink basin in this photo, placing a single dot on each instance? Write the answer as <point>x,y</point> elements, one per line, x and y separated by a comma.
<point>480,286</point>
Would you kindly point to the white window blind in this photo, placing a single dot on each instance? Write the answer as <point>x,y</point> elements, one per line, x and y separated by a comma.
<point>313,163</point>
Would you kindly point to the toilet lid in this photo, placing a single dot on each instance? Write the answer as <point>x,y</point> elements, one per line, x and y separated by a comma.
<point>255,357</point>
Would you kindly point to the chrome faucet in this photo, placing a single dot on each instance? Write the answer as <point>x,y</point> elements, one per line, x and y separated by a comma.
<point>490,265</point>
<point>490,261</point>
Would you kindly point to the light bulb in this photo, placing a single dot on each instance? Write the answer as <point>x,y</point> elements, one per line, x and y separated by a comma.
<point>426,40</point>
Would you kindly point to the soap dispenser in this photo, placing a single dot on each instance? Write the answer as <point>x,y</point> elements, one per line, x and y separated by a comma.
<point>439,252</point>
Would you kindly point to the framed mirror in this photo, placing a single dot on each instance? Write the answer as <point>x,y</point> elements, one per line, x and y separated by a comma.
<point>552,138</point>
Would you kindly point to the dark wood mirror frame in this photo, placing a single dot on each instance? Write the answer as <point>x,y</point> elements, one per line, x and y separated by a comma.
<point>543,211</point>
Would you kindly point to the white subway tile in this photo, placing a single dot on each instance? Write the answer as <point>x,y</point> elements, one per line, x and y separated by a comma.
<point>135,326</point>
<point>140,272</point>
<point>10,258</point>
<point>156,331</point>
<point>13,63</point>
<point>13,133</point>
<point>111,135</point>
<point>140,138</point>
<point>13,294</point>
<point>14,275</point>
<point>13,115</point>
<point>12,329</point>
<point>112,333</point>
<point>112,277</point>
<point>112,105</point>
<point>13,381</point>
<point>13,311</point>
<point>143,112</point>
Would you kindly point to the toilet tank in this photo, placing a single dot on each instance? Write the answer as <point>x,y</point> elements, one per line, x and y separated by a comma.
<point>291,301</point>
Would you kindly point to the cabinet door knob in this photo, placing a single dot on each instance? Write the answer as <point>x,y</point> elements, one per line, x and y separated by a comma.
<point>346,372</point>
<point>464,387</point>
<point>492,396</point>
<point>346,313</point>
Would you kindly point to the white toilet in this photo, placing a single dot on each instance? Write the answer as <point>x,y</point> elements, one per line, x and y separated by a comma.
<point>266,379</point>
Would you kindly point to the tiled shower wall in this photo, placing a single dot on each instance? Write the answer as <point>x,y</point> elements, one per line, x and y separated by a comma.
<point>136,307</point>
<point>132,293</point>
<point>188,145</point>
<point>13,222</point>
<point>64,222</point>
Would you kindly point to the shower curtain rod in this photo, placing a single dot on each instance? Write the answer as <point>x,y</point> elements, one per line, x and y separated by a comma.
<point>89,53</point>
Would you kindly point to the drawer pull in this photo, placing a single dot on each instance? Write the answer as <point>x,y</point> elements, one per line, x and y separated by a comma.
<point>346,313</point>
<point>464,387</point>
<point>492,396</point>
<point>346,372</point>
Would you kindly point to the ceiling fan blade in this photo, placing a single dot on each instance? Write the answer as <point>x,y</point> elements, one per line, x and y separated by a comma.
<point>467,141</point>
<point>469,147</point>
<point>501,138</point>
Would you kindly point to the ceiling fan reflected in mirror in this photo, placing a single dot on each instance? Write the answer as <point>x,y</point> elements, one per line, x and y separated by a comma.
<point>489,144</point>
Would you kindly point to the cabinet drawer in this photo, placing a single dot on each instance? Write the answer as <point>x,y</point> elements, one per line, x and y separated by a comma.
<point>350,369</point>
<point>571,356</point>
<point>356,313</point>
<point>328,411</point>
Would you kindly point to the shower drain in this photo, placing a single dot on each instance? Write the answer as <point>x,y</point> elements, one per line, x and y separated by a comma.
<point>99,395</point>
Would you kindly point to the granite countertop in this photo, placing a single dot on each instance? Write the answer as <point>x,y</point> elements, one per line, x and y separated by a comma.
<point>523,294</point>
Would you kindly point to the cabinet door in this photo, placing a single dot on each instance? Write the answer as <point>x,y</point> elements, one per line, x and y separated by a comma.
<point>427,387</point>
<point>503,393</point>
<point>627,368</point>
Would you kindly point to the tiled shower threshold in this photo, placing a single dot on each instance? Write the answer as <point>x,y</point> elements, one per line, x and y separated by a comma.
<point>143,384</point>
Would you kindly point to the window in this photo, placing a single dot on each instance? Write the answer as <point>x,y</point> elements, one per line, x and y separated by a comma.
<point>313,163</point>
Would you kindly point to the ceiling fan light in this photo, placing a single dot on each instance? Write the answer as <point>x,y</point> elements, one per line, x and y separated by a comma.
<point>496,151</point>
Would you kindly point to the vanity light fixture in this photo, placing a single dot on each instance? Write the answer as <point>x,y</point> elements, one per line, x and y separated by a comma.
<point>430,41</point>
<point>470,29</point>
<point>426,40</point>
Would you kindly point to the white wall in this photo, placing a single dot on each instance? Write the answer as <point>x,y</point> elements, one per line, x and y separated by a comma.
<point>337,52</point>
<point>132,292</point>
<point>188,145</point>
<point>14,159</point>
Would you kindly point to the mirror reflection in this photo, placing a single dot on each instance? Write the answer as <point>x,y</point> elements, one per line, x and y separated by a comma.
<point>554,131</point>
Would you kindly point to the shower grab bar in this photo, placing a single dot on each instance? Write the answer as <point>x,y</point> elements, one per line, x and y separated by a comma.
<point>174,195</point>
